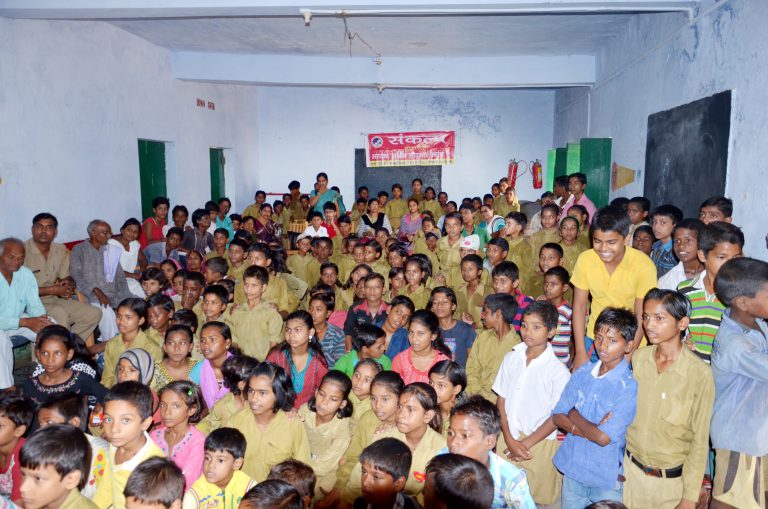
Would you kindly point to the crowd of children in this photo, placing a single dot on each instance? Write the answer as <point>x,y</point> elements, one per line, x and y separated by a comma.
<point>412,352</point>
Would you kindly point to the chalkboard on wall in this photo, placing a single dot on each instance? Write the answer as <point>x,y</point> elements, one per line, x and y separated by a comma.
<point>381,179</point>
<point>686,155</point>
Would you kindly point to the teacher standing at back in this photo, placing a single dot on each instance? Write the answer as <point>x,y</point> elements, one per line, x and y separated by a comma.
<point>323,194</point>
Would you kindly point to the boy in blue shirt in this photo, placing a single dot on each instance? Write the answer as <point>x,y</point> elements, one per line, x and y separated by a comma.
<point>595,409</point>
<point>739,430</point>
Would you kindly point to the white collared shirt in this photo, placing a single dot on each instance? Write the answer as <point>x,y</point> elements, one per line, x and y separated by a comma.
<point>530,392</point>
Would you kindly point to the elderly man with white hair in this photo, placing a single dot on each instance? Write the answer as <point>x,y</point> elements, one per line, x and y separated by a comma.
<point>96,269</point>
<point>21,311</point>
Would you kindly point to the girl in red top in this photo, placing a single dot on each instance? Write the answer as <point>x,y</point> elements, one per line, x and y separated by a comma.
<point>301,356</point>
<point>152,227</point>
<point>427,348</point>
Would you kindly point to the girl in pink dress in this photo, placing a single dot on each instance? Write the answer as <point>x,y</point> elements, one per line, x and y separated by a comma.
<point>427,348</point>
<point>181,407</point>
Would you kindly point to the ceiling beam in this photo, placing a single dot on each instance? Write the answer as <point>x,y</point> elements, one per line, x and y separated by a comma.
<point>438,73</point>
<point>144,9</point>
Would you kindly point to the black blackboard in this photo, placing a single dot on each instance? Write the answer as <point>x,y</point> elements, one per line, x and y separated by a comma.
<point>686,155</point>
<point>381,179</point>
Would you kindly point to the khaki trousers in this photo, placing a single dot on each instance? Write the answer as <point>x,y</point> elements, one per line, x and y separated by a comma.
<point>80,318</point>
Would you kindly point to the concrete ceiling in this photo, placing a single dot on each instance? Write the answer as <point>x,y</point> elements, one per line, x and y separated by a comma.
<point>392,43</point>
<point>395,36</point>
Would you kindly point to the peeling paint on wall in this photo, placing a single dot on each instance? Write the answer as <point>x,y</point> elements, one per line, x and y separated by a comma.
<point>720,51</point>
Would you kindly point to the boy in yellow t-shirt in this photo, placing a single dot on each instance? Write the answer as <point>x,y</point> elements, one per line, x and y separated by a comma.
<point>614,274</point>
<point>222,484</point>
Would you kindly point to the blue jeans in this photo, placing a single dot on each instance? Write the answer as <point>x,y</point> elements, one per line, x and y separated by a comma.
<point>578,496</point>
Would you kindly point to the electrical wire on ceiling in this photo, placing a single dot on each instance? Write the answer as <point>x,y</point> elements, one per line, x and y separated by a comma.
<point>350,36</point>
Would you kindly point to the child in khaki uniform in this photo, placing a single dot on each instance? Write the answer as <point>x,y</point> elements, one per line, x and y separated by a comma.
<point>668,442</point>
<point>256,325</point>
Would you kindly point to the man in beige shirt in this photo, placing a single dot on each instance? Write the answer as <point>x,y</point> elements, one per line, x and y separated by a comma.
<point>49,262</point>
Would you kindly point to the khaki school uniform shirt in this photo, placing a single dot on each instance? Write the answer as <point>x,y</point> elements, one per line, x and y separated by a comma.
<point>236,273</point>
<point>485,359</point>
<point>420,296</point>
<point>502,208</point>
<point>251,210</point>
<point>472,305</point>
<point>283,439</point>
<point>313,272</point>
<point>47,270</point>
<point>297,264</point>
<point>521,254</point>
<point>449,258</point>
<point>76,501</point>
<point>366,426</point>
<point>571,254</point>
<point>277,293</point>
<point>215,254</point>
<point>254,330</point>
<point>428,447</point>
<point>327,444</point>
<point>115,348</point>
<point>674,408</point>
<point>222,410</point>
<point>537,240</point>
<point>395,210</point>
<point>432,206</point>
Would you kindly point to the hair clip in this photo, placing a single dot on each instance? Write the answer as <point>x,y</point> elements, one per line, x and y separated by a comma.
<point>190,392</point>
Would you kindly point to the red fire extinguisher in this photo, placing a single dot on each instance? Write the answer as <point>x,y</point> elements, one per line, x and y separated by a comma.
<point>537,177</point>
<point>512,173</point>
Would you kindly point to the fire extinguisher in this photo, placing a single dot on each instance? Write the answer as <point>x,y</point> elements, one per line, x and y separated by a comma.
<point>512,173</point>
<point>536,171</point>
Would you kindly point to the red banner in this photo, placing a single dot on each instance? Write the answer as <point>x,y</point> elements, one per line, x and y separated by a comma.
<point>410,149</point>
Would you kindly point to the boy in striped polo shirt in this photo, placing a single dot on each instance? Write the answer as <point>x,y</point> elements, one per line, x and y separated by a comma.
<point>556,285</point>
<point>718,243</point>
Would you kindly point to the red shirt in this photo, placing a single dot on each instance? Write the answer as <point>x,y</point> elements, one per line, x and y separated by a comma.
<point>331,229</point>
<point>10,474</point>
<point>310,378</point>
<point>157,231</point>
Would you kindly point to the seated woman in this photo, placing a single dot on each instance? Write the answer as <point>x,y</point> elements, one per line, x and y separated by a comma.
<point>372,220</point>
<point>131,256</point>
<point>410,224</point>
<point>264,228</point>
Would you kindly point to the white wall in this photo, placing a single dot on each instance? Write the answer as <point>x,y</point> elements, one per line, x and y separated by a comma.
<point>307,130</point>
<point>74,99</point>
<point>660,63</point>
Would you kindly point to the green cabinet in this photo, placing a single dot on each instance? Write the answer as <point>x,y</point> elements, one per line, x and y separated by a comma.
<point>595,163</point>
<point>592,157</point>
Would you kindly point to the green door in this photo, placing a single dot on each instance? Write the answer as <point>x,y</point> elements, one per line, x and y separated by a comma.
<point>595,162</point>
<point>152,173</point>
<point>217,174</point>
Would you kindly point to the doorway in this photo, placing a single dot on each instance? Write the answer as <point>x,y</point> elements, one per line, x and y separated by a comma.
<point>218,179</point>
<point>151,173</point>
